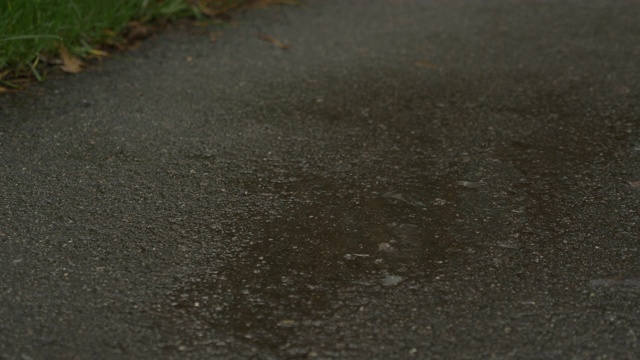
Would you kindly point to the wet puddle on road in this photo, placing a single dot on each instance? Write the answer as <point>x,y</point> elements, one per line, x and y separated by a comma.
<point>329,242</point>
<point>334,227</point>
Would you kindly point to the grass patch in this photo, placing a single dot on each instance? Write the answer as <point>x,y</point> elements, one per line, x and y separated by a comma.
<point>33,32</point>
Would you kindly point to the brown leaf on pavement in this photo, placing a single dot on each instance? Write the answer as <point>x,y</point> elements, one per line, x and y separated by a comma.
<point>70,63</point>
<point>274,41</point>
<point>634,184</point>
<point>425,64</point>
<point>622,90</point>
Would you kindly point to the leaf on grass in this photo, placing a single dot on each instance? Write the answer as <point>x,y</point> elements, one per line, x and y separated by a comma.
<point>99,53</point>
<point>274,41</point>
<point>137,31</point>
<point>70,63</point>
<point>634,184</point>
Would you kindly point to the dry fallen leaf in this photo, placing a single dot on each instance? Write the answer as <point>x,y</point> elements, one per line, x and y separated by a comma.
<point>137,31</point>
<point>634,184</point>
<point>3,89</point>
<point>70,63</point>
<point>99,53</point>
<point>425,64</point>
<point>622,90</point>
<point>470,184</point>
<point>287,323</point>
<point>274,41</point>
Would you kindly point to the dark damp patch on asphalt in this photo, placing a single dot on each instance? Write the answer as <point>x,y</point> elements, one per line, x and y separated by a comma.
<point>342,220</point>
<point>332,239</point>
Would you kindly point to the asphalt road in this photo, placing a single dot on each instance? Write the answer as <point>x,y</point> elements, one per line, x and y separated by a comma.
<point>409,179</point>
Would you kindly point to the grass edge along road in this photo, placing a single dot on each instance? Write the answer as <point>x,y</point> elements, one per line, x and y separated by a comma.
<point>39,35</point>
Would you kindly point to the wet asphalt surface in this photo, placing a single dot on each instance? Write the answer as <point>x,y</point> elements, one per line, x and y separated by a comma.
<point>410,179</point>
